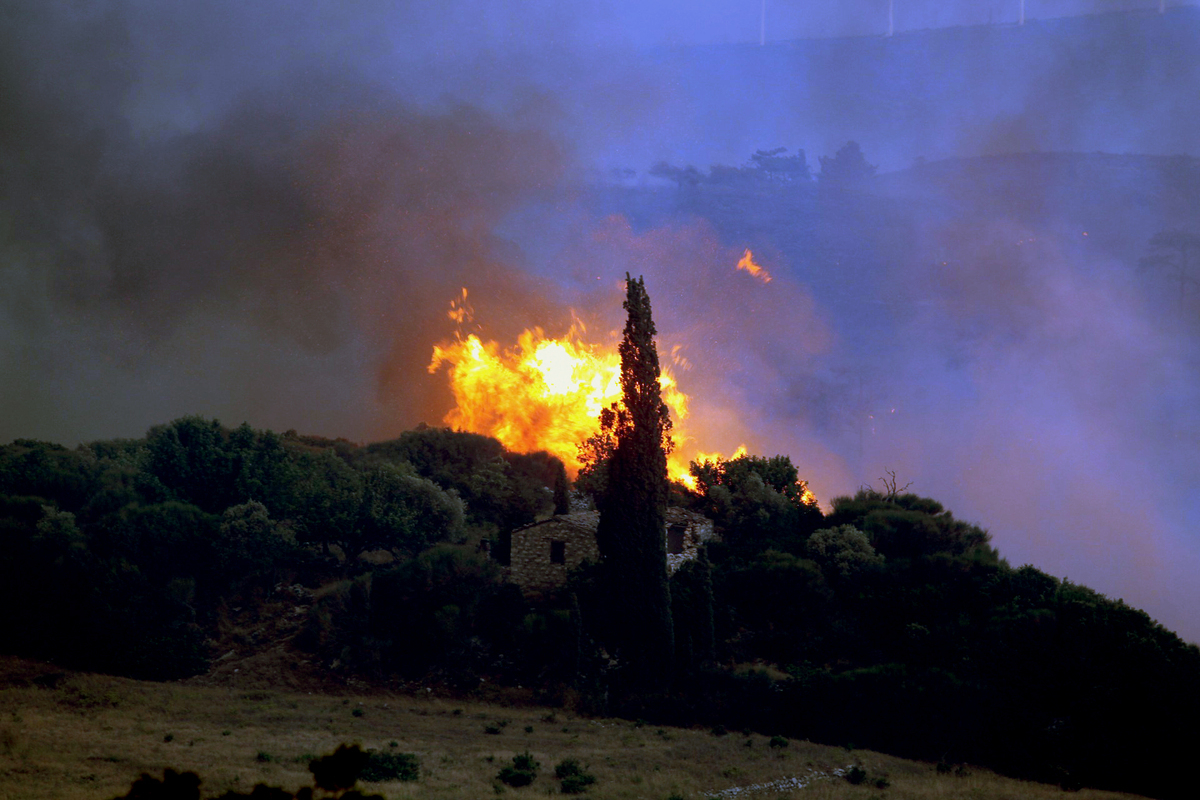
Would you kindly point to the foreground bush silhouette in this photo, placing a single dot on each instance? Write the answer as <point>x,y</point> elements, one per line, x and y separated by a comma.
<point>335,775</point>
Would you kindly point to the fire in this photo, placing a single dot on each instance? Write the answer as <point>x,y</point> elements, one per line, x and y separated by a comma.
<point>747,263</point>
<point>546,393</point>
<point>715,457</point>
<point>543,394</point>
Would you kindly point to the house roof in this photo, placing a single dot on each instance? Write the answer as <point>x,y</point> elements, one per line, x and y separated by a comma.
<point>588,521</point>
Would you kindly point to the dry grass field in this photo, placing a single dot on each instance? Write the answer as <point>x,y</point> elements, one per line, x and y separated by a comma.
<point>73,736</point>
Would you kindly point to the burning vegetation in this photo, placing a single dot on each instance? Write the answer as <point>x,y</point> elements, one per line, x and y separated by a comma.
<point>547,393</point>
<point>746,263</point>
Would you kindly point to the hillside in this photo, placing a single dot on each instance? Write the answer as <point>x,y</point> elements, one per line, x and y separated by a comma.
<point>886,622</point>
<point>1105,82</point>
<point>77,736</point>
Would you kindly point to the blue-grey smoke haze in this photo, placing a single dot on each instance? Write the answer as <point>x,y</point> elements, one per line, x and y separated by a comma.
<point>260,211</point>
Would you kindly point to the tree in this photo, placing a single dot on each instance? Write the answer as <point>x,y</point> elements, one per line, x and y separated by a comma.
<point>757,502</point>
<point>403,511</point>
<point>909,526</point>
<point>847,168</point>
<point>250,542</point>
<point>843,551</point>
<point>595,453</point>
<point>775,166</point>
<point>631,532</point>
<point>1176,253</point>
<point>688,176</point>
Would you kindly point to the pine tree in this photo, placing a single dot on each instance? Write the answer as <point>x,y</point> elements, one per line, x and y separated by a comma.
<point>631,533</point>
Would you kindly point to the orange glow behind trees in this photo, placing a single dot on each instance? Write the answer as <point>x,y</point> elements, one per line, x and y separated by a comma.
<point>545,393</point>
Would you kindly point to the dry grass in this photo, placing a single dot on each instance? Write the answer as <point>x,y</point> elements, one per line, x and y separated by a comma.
<point>87,737</point>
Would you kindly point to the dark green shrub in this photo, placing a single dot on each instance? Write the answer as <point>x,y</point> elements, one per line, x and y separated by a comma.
<point>577,784</point>
<point>719,730</point>
<point>521,772</point>
<point>390,767</point>
<point>493,729</point>
<point>526,761</point>
<point>777,742</point>
<point>856,775</point>
<point>358,712</point>
<point>882,783</point>
<point>574,779</point>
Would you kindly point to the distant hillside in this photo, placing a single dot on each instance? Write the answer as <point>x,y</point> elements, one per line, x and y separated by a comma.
<point>1120,82</point>
<point>895,218</point>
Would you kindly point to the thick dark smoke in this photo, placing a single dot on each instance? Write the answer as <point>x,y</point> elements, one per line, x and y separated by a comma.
<point>260,211</point>
<point>291,248</point>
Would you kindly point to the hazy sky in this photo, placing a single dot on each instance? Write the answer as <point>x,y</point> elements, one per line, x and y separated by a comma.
<point>260,211</point>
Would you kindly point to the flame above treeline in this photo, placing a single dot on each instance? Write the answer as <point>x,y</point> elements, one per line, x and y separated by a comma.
<point>546,393</point>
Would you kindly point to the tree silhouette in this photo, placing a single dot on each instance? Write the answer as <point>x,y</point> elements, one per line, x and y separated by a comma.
<point>631,533</point>
<point>778,167</point>
<point>1175,253</point>
<point>848,168</point>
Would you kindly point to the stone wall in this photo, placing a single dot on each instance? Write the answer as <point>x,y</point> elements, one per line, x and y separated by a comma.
<point>532,556</point>
<point>697,530</point>
<point>530,562</point>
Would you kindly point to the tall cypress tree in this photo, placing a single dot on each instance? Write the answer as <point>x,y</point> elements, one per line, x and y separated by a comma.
<point>631,535</point>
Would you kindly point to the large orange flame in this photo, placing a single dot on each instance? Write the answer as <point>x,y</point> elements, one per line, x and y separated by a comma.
<point>546,393</point>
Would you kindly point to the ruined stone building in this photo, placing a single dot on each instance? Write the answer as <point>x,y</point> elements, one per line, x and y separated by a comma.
<point>543,553</point>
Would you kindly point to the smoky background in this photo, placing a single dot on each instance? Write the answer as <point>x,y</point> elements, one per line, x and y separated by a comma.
<point>262,212</point>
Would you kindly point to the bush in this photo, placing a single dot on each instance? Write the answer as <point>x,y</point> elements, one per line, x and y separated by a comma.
<point>574,779</point>
<point>777,742</point>
<point>856,775</point>
<point>391,767</point>
<point>335,774</point>
<point>521,772</point>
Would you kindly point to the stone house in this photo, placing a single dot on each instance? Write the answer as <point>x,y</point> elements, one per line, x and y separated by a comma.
<point>542,554</point>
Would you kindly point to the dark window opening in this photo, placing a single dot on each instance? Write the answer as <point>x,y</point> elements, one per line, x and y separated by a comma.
<point>501,549</point>
<point>675,539</point>
<point>558,552</point>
